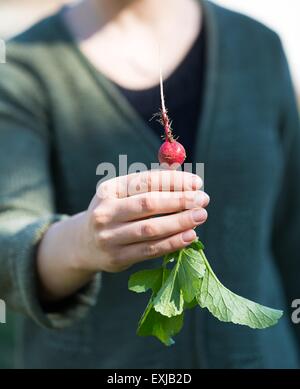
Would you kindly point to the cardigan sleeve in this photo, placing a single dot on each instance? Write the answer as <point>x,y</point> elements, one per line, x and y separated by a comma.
<point>27,199</point>
<point>286,236</point>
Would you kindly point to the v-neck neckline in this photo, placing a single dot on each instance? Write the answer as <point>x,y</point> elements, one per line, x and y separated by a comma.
<point>136,124</point>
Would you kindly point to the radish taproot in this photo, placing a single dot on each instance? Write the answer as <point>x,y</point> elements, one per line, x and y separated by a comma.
<point>171,152</point>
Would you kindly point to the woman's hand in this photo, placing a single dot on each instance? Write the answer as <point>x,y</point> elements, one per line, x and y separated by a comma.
<point>120,225</point>
<point>130,219</point>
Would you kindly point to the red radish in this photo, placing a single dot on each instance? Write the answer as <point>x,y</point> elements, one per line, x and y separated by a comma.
<point>171,152</point>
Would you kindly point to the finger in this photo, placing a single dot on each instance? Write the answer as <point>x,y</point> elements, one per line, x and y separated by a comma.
<point>157,203</point>
<point>149,181</point>
<point>158,227</point>
<point>147,250</point>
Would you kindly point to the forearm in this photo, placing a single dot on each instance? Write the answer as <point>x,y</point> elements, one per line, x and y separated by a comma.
<point>58,260</point>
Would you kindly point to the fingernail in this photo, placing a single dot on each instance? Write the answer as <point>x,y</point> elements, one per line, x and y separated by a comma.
<point>189,236</point>
<point>196,182</point>
<point>200,199</point>
<point>199,215</point>
<point>207,197</point>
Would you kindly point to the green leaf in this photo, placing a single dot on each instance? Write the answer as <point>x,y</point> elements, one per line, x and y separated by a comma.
<point>197,245</point>
<point>144,280</point>
<point>190,272</point>
<point>169,300</point>
<point>152,323</point>
<point>191,305</point>
<point>229,307</point>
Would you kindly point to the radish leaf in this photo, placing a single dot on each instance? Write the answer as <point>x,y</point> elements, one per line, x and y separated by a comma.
<point>144,280</point>
<point>191,270</point>
<point>169,300</point>
<point>230,307</point>
<point>152,323</point>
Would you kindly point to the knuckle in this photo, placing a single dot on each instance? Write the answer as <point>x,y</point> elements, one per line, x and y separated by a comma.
<point>142,182</point>
<point>103,190</point>
<point>147,179</point>
<point>104,238</point>
<point>115,261</point>
<point>172,245</point>
<point>184,200</point>
<point>95,214</point>
<point>148,230</point>
<point>146,204</point>
<point>100,216</point>
<point>118,262</point>
<point>185,220</point>
<point>150,250</point>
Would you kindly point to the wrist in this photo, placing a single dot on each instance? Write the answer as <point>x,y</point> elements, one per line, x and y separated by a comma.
<point>79,237</point>
<point>60,265</point>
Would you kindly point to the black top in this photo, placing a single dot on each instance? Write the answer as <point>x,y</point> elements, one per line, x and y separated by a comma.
<point>183,95</point>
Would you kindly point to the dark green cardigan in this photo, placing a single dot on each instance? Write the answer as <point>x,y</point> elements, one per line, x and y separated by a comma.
<point>59,118</point>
